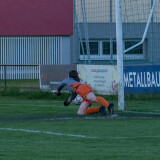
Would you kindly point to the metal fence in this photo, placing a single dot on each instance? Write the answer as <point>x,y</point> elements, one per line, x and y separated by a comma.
<point>19,72</point>
<point>30,50</point>
<point>19,76</point>
<point>18,55</point>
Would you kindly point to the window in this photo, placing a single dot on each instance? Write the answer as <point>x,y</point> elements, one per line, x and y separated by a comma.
<point>100,50</point>
<point>93,46</point>
<point>106,48</point>
<point>137,50</point>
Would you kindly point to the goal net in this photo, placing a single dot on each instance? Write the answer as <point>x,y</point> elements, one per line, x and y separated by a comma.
<point>95,40</point>
<point>141,19</point>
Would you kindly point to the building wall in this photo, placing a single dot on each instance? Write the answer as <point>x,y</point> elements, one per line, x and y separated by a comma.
<point>34,32</point>
<point>131,31</point>
<point>43,50</point>
<point>66,50</point>
<point>18,54</point>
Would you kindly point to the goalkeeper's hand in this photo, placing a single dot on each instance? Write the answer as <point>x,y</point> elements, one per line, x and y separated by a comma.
<point>58,93</point>
<point>66,102</point>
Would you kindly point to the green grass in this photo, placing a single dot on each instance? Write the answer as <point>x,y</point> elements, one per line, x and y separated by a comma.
<point>20,83</point>
<point>130,135</point>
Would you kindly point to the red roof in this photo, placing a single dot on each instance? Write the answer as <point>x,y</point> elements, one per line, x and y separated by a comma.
<point>36,17</point>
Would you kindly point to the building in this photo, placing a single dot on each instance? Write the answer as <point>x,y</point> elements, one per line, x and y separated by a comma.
<point>54,32</point>
<point>36,31</point>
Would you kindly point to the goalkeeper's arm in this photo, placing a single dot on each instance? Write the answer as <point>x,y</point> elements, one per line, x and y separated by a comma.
<point>57,93</point>
<point>59,88</point>
<point>69,100</point>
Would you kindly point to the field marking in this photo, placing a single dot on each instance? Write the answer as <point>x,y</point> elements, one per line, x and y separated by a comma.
<point>82,118</point>
<point>46,132</point>
<point>151,113</point>
<point>158,136</point>
<point>108,117</point>
<point>72,135</point>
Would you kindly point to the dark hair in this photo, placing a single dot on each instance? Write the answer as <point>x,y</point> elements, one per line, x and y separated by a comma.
<point>74,74</point>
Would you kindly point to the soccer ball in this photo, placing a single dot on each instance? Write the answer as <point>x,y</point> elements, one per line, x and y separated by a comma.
<point>78,100</point>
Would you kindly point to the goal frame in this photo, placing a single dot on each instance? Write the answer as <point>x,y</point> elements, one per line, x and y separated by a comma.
<point>120,51</point>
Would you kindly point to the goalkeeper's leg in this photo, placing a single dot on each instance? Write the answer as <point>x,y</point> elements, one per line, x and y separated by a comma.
<point>84,110</point>
<point>91,96</point>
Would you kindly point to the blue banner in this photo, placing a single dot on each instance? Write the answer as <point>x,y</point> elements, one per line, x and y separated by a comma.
<point>142,79</point>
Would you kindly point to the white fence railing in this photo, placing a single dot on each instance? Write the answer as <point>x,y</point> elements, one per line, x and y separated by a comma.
<point>44,50</point>
<point>22,52</point>
<point>19,72</point>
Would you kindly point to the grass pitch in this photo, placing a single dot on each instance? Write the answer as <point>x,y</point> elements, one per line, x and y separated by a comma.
<point>38,129</point>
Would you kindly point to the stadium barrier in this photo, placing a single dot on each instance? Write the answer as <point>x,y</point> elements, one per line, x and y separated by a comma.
<point>102,78</point>
<point>142,79</point>
<point>138,79</point>
<point>52,75</point>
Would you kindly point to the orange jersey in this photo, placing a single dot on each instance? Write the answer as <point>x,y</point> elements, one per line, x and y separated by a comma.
<point>82,90</point>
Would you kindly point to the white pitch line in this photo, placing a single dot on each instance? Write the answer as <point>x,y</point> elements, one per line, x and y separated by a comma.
<point>82,118</point>
<point>150,113</point>
<point>46,132</point>
<point>158,136</point>
<point>72,135</point>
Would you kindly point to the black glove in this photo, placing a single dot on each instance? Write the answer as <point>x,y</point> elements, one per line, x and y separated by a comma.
<point>58,93</point>
<point>66,103</point>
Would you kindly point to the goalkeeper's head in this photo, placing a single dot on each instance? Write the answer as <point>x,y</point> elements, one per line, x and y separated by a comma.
<point>74,74</point>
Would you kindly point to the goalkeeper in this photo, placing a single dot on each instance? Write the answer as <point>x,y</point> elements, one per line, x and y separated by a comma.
<point>85,91</point>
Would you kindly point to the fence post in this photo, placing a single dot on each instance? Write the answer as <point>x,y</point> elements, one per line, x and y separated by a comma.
<point>5,78</point>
